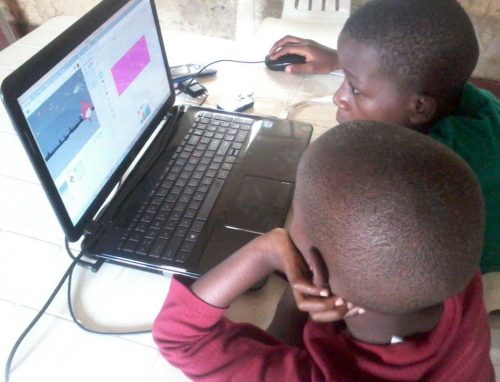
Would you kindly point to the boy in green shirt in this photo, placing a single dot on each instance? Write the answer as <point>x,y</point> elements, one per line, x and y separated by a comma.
<point>408,62</point>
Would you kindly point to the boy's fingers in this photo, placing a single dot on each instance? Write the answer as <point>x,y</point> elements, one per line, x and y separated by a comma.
<point>297,48</point>
<point>299,68</point>
<point>355,312</point>
<point>320,305</point>
<point>306,287</point>
<point>283,41</point>
<point>327,316</point>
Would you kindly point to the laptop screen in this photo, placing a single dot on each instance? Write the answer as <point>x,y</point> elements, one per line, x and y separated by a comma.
<point>90,109</point>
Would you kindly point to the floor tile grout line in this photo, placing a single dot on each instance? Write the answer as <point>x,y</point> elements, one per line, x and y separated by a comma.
<point>20,179</point>
<point>22,235</point>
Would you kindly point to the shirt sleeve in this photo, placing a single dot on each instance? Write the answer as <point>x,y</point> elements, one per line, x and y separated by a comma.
<point>195,337</point>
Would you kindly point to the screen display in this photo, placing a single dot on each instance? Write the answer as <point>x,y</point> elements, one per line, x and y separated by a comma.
<point>93,106</point>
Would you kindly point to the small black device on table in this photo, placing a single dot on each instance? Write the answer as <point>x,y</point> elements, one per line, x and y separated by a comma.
<point>184,72</point>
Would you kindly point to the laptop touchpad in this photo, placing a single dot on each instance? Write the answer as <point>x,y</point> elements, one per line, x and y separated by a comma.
<point>260,205</point>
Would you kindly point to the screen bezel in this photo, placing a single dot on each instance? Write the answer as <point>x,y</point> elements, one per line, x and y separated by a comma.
<point>20,80</point>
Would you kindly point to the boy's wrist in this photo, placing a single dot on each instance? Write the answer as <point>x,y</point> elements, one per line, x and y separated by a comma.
<point>274,244</point>
<point>234,276</point>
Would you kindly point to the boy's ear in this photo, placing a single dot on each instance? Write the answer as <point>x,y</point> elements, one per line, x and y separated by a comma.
<point>423,109</point>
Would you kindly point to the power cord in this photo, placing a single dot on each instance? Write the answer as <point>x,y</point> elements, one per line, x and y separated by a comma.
<point>40,313</point>
<point>77,260</point>
<point>86,264</point>
<point>89,330</point>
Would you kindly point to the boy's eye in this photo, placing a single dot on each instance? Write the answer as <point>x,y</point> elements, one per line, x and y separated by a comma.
<point>355,91</point>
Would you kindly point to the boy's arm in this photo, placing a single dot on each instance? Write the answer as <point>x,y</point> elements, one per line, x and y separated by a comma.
<point>319,58</point>
<point>273,251</point>
<point>193,335</point>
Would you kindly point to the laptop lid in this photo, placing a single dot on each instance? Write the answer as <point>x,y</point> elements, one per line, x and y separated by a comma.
<point>86,104</point>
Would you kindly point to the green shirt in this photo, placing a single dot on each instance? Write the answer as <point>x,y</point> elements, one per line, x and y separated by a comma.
<point>473,132</point>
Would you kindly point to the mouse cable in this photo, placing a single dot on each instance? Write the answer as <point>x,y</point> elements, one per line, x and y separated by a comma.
<point>197,74</point>
<point>40,313</point>
<point>324,100</point>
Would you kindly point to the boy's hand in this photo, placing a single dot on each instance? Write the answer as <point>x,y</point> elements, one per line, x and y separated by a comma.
<point>316,300</point>
<point>320,308</point>
<point>319,58</point>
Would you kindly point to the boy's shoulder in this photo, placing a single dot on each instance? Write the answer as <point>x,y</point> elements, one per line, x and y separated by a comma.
<point>475,99</point>
<point>477,118</point>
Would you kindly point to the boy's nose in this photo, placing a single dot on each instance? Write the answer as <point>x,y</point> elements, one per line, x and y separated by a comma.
<point>339,99</point>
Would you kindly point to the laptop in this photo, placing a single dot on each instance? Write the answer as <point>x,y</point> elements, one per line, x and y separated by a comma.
<point>147,183</point>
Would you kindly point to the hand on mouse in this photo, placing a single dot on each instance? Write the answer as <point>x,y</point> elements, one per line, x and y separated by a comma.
<point>319,58</point>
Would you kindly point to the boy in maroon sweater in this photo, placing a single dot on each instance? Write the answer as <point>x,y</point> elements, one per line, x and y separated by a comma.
<point>382,238</point>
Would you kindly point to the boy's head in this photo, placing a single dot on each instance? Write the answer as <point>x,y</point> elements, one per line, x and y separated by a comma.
<point>396,218</point>
<point>405,61</point>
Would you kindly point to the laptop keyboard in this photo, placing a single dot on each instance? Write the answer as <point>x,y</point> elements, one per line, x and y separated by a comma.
<point>169,223</point>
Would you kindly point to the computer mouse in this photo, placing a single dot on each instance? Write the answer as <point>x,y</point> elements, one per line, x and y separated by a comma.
<point>282,62</point>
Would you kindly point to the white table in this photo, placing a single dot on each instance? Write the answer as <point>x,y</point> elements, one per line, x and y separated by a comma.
<point>33,258</point>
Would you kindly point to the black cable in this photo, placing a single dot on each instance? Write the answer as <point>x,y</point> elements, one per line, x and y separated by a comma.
<point>90,266</point>
<point>77,322</point>
<point>198,73</point>
<point>67,275</point>
<point>37,317</point>
<point>83,263</point>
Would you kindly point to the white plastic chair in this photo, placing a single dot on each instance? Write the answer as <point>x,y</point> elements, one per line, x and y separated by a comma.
<point>319,20</point>
<point>316,11</point>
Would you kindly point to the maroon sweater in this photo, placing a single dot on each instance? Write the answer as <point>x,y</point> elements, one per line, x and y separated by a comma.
<point>196,338</point>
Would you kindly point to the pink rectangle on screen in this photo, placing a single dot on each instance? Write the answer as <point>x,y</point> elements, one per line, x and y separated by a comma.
<point>130,65</point>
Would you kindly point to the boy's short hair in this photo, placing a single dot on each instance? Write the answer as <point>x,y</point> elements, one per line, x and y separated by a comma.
<point>427,46</point>
<point>398,215</point>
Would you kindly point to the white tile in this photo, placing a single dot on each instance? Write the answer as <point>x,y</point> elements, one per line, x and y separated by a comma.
<point>161,369</point>
<point>14,161</point>
<point>30,269</point>
<point>26,210</point>
<point>39,37</point>
<point>113,299</point>
<point>59,23</point>
<point>6,126</point>
<point>57,350</point>
<point>15,55</point>
<point>4,72</point>
<point>121,299</point>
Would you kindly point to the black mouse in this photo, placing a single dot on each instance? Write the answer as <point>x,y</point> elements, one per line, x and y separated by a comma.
<point>282,62</point>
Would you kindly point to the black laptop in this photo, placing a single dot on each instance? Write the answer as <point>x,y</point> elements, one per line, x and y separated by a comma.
<point>149,184</point>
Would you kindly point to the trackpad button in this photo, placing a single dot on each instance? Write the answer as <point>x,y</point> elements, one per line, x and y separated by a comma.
<point>260,205</point>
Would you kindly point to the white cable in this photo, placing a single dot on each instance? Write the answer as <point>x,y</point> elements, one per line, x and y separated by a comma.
<point>324,100</point>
